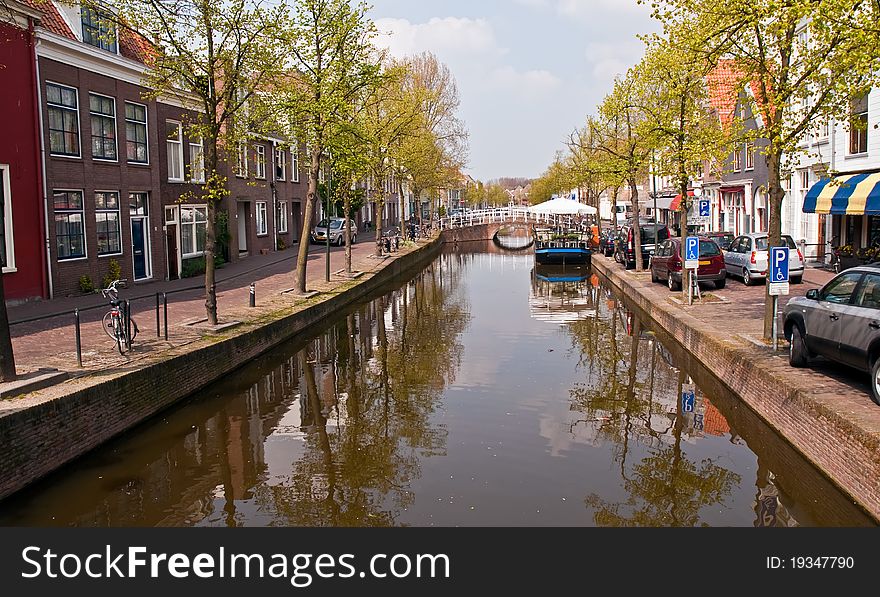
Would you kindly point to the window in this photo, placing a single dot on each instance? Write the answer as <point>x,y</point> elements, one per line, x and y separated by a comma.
<point>840,291</point>
<point>262,226</point>
<point>174,143</point>
<point>280,164</point>
<point>805,180</point>
<point>138,204</point>
<point>858,134</point>
<point>869,297</point>
<point>281,217</point>
<point>294,173</point>
<point>69,229</point>
<point>750,156</point>
<point>241,168</point>
<point>63,111</point>
<point>193,229</point>
<point>7,246</point>
<point>260,162</point>
<point>196,161</point>
<point>737,160</point>
<point>103,113</point>
<point>136,133</point>
<point>98,30</point>
<point>107,219</point>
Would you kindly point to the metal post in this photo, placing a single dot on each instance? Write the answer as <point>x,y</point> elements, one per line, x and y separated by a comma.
<point>158,328</point>
<point>79,356</point>
<point>775,323</point>
<point>165,309</point>
<point>327,216</point>
<point>128,324</point>
<point>252,302</point>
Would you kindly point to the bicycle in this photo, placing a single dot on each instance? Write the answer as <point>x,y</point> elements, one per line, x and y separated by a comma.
<point>832,258</point>
<point>114,322</point>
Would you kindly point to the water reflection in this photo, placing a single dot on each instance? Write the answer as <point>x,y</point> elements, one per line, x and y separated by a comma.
<point>447,399</point>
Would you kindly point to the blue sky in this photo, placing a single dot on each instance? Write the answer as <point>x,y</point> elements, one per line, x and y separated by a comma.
<point>528,71</point>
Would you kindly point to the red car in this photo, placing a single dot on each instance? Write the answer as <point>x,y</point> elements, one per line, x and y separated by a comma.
<point>666,264</point>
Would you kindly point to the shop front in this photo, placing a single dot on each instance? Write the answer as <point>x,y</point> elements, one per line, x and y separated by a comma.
<point>853,202</point>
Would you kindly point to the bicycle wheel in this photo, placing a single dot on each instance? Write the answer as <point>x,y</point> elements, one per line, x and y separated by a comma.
<point>107,322</point>
<point>120,335</point>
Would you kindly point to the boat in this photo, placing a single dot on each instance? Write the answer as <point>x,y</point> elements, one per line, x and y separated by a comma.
<point>563,246</point>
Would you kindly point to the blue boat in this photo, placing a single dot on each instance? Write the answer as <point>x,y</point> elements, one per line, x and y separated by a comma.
<point>554,246</point>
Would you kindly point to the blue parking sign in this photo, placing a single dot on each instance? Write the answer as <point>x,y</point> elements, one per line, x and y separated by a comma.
<point>688,401</point>
<point>779,265</point>
<point>692,249</point>
<point>704,208</point>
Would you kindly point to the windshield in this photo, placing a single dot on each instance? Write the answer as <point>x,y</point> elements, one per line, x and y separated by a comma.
<point>335,224</point>
<point>709,249</point>
<point>761,243</point>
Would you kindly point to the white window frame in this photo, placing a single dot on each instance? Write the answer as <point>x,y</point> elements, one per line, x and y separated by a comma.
<point>115,127</point>
<point>118,212</point>
<point>294,172</point>
<point>282,217</point>
<point>260,162</point>
<point>180,223</point>
<point>49,106</point>
<point>280,163</point>
<point>82,212</point>
<point>178,150</point>
<point>738,159</point>
<point>7,220</point>
<point>852,131</point>
<point>146,125</point>
<point>197,161</point>
<point>241,165</point>
<point>111,28</point>
<point>261,218</point>
<point>750,156</point>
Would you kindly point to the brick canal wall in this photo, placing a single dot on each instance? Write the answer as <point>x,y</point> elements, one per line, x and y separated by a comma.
<point>823,428</point>
<point>45,435</point>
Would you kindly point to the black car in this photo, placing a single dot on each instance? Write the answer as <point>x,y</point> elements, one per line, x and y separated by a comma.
<point>625,252</point>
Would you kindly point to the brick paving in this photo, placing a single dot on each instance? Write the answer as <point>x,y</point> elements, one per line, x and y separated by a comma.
<point>50,342</point>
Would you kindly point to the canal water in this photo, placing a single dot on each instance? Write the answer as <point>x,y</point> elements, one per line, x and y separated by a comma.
<point>483,391</point>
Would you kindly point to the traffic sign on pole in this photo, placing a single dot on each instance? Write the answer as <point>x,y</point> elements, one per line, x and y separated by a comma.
<point>705,208</point>
<point>779,271</point>
<point>688,400</point>
<point>692,253</point>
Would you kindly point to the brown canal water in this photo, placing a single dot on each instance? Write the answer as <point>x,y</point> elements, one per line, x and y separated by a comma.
<point>484,392</point>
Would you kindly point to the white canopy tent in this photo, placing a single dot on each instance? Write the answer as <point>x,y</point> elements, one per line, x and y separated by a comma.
<point>563,207</point>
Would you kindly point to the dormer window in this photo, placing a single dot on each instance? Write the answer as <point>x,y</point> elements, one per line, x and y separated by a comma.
<point>98,30</point>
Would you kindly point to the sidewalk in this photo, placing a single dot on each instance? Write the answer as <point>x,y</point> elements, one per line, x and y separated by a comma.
<point>50,343</point>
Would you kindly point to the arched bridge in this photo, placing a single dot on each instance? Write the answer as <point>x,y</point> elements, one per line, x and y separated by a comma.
<point>515,223</point>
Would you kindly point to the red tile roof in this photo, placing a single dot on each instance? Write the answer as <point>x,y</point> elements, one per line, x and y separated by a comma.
<point>52,19</point>
<point>724,83</point>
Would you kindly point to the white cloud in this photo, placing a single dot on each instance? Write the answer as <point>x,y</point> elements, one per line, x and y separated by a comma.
<point>612,59</point>
<point>589,9</point>
<point>529,85</point>
<point>448,37</point>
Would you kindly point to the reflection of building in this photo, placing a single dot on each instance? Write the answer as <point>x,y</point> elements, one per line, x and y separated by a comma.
<point>562,294</point>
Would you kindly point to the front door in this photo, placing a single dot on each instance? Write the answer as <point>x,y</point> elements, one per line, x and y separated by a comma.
<point>242,228</point>
<point>171,250</point>
<point>139,251</point>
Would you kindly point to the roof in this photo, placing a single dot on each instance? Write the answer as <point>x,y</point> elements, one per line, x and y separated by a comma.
<point>723,84</point>
<point>52,19</point>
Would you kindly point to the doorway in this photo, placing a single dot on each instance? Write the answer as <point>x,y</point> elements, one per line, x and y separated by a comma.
<point>242,228</point>
<point>140,235</point>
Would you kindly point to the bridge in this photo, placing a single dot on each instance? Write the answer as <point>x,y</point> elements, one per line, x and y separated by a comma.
<point>515,222</point>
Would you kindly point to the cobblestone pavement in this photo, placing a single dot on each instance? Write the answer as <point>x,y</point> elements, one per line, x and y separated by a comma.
<point>738,310</point>
<point>50,342</point>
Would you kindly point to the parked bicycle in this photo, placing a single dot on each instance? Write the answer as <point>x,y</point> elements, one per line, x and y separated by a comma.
<point>114,321</point>
<point>832,257</point>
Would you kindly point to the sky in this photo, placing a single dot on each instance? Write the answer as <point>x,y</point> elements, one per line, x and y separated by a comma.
<point>528,71</point>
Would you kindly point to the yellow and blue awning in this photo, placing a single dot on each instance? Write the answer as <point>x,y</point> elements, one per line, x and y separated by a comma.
<point>849,195</point>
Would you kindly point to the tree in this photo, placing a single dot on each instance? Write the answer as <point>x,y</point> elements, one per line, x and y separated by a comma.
<point>214,57</point>
<point>331,45</point>
<point>804,60</point>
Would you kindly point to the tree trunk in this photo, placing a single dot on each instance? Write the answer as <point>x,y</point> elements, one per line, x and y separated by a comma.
<point>683,209</point>
<point>7,359</point>
<point>305,237</point>
<point>214,197</point>
<point>380,207</point>
<point>401,210</point>
<point>346,208</point>
<point>637,228</point>
<point>775,196</point>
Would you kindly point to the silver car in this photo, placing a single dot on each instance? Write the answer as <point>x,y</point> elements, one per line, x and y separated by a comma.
<point>748,258</point>
<point>337,231</point>
<point>840,322</point>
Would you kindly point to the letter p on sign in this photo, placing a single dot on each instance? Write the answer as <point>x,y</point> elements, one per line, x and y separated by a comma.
<point>779,264</point>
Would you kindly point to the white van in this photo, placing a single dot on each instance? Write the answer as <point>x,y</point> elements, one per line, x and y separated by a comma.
<point>623,212</point>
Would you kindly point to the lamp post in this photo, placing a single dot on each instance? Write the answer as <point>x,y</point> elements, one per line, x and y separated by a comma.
<point>327,211</point>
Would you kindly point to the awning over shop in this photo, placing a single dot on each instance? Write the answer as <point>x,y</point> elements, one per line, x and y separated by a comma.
<point>849,195</point>
<point>667,202</point>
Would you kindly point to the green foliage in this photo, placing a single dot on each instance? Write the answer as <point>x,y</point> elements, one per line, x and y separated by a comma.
<point>282,244</point>
<point>442,211</point>
<point>114,272</point>
<point>196,266</point>
<point>86,286</point>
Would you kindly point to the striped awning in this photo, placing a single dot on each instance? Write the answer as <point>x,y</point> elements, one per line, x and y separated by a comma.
<point>849,195</point>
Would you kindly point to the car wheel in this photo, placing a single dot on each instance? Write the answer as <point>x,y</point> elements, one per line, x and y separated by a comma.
<point>875,381</point>
<point>747,277</point>
<point>673,285</point>
<point>797,352</point>
<point>720,284</point>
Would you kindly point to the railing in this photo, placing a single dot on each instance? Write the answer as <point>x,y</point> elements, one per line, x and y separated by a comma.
<point>503,215</point>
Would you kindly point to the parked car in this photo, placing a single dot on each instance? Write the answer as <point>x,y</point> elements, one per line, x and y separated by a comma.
<point>667,265</point>
<point>748,258</point>
<point>840,322</point>
<point>724,239</point>
<point>625,245</point>
<point>337,231</point>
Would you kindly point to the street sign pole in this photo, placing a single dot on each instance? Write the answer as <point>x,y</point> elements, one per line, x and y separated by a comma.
<point>691,265</point>
<point>779,284</point>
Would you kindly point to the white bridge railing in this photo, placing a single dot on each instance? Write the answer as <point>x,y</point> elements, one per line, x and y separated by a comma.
<point>503,215</point>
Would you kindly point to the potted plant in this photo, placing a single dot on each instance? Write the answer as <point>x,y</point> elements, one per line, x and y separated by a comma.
<point>848,257</point>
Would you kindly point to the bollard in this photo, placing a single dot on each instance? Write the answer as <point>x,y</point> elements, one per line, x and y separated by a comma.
<point>165,308</point>
<point>253,296</point>
<point>79,355</point>
<point>158,327</point>
<point>128,324</point>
